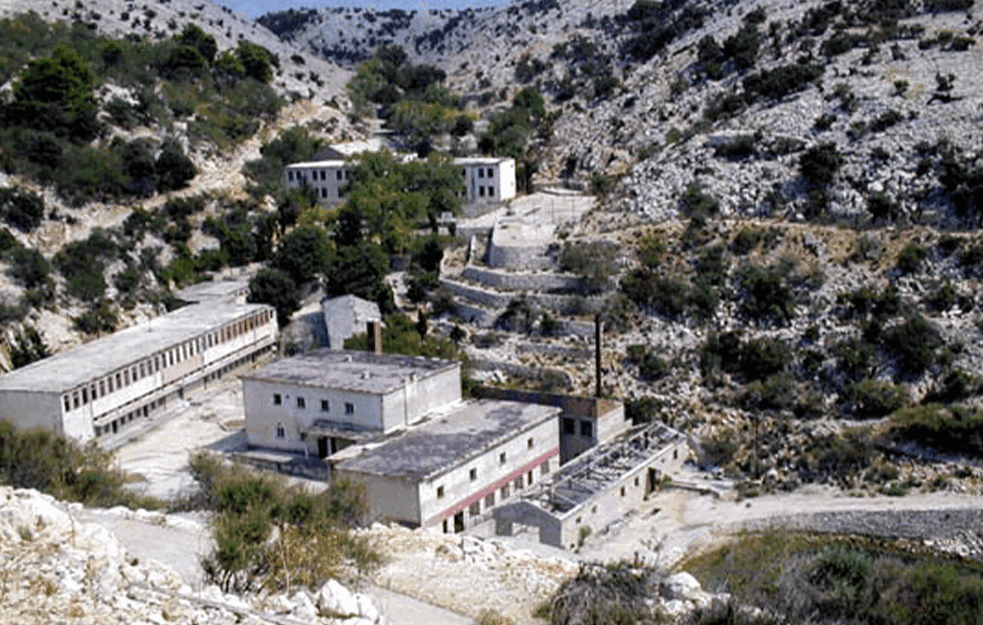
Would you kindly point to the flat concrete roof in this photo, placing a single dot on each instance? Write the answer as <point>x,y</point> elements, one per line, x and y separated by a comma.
<point>324,164</point>
<point>449,439</point>
<point>67,370</point>
<point>361,372</point>
<point>481,160</point>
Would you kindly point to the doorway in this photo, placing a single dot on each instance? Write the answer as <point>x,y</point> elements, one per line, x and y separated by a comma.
<point>652,483</point>
<point>459,522</point>
<point>322,447</point>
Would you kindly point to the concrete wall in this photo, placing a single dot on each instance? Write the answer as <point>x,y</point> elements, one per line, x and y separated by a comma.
<point>627,494</point>
<point>262,415</point>
<point>521,281</point>
<point>27,410</point>
<point>494,299</point>
<point>420,396</point>
<point>524,513</point>
<point>459,491</point>
<point>500,185</point>
<point>387,497</point>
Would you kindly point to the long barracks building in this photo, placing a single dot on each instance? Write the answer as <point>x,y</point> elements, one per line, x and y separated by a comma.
<point>100,388</point>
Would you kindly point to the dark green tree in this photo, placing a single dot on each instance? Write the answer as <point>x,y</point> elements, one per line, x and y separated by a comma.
<point>28,347</point>
<point>361,270</point>
<point>174,169</point>
<point>55,94</point>
<point>194,37</point>
<point>303,254</point>
<point>274,287</point>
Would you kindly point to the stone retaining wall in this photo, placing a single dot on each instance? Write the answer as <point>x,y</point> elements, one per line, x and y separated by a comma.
<point>521,281</point>
<point>907,524</point>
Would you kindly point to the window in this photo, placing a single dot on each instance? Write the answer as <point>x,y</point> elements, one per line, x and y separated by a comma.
<point>490,174</point>
<point>529,443</point>
<point>586,428</point>
<point>85,396</point>
<point>301,402</point>
<point>277,399</point>
<point>544,468</point>
<point>143,372</point>
<point>622,491</point>
<point>501,458</point>
<point>349,408</point>
<point>280,432</point>
<point>93,392</point>
<point>440,492</point>
<point>529,478</point>
<point>102,388</point>
<point>489,500</point>
<point>339,174</point>
<point>636,481</point>
<point>481,172</point>
<point>324,192</point>
<point>75,399</point>
<point>325,406</point>
<point>491,191</point>
<point>303,436</point>
<point>324,175</point>
<point>68,404</point>
<point>481,191</point>
<point>474,509</point>
<point>473,474</point>
<point>109,383</point>
<point>569,426</point>
<point>118,383</point>
<point>156,364</point>
<point>503,492</point>
<point>518,483</point>
<point>290,176</point>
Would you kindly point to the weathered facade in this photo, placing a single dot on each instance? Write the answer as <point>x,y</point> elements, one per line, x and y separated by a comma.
<point>320,402</point>
<point>598,487</point>
<point>454,469</point>
<point>99,389</point>
<point>347,316</point>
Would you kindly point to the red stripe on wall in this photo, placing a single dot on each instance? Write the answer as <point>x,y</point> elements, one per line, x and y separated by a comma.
<point>461,505</point>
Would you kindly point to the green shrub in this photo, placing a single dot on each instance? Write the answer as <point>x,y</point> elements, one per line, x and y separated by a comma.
<point>946,429</point>
<point>650,365</point>
<point>873,399</point>
<point>696,202</point>
<point>747,240</point>
<point>593,261</point>
<point>766,295</point>
<point>781,81</point>
<point>21,209</point>
<point>911,258</point>
<point>764,357</point>
<point>28,267</point>
<point>915,344</point>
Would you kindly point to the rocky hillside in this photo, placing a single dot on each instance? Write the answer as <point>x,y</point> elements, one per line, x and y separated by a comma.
<point>792,192</point>
<point>56,568</point>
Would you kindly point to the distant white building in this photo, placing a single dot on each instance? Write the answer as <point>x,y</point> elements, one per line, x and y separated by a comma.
<point>347,316</point>
<point>486,179</point>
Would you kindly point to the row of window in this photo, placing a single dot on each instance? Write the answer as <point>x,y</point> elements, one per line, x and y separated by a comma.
<point>483,172</point>
<point>517,482</point>
<point>301,176</point>
<point>302,403</point>
<point>135,372</point>
<point>481,191</point>
<point>570,427</point>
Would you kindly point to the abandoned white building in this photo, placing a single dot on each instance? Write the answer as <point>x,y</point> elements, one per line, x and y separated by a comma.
<point>100,388</point>
<point>598,487</point>
<point>488,179</point>
<point>346,316</point>
<point>398,425</point>
<point>485,179</point>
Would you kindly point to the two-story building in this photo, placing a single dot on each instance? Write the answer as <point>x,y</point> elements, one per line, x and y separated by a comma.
<point>398,425</point>
<point>486,179</point>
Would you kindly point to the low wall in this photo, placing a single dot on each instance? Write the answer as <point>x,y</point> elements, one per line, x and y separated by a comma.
<point>908,524</point>
<point>493,299</point>
<point>521,281</point>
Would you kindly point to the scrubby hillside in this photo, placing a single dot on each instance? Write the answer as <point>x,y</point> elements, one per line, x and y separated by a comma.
<point>793,191</point>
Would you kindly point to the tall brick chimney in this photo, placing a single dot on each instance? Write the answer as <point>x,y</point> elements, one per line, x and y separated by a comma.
<point>374,331</point>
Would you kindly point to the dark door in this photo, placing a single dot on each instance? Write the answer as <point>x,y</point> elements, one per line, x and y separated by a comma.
<point>653,481</point>
<point>459,522</point>
<point>322,447</point>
